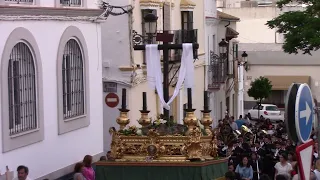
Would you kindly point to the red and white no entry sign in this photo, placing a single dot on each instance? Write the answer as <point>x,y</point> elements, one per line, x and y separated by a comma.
<point>112,100</point>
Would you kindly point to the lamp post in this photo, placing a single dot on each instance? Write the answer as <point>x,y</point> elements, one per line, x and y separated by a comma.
<point>150,26</point>
<point>166,38</point>
<point>241,63</point>
<point>223,48</point>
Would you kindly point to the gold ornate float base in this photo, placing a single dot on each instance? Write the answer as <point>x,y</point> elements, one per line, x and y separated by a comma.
<point>163,148</point>
<point>194,146</point>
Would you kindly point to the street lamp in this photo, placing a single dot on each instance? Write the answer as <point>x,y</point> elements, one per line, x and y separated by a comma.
<point>223,45</point>
<point>244,61</point>
<point>150,23</point>
<point>244,57</point>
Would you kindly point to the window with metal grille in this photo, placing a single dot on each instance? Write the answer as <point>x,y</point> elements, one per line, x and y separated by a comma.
<point>20,1</point>
<point>22,92</point>
<point>72,81</point>
<point>71,2</point>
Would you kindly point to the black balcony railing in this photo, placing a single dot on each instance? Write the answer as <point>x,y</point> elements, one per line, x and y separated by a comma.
<point>184,36</point>
<point>217,71</point>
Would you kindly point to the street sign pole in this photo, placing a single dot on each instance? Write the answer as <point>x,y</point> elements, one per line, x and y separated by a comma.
<point>299,117</point>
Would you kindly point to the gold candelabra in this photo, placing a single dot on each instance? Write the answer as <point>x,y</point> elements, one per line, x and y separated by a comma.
<point>123,119</point>
<point>144,119</point>
<point>206,121</point>
<point>191,121</point>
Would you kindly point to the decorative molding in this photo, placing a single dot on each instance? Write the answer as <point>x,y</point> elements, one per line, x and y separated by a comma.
<point>138,79</point>
<point>187,5</point>
<point>48,11</point>
<point>130,68</point>
<point>150,3</point>
<point>118,81</point>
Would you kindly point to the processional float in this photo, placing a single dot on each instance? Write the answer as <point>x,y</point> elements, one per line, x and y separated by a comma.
<point>164,141</point>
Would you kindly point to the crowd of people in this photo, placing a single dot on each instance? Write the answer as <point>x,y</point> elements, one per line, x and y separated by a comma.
<point>261,151</point>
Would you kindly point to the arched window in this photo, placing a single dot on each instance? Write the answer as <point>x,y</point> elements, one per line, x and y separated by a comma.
<point>22,90</point>
<point>72,81</point>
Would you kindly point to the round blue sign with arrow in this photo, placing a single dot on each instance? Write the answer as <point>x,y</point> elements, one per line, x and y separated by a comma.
<point>304,115</point>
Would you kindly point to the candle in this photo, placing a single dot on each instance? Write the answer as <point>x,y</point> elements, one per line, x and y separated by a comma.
<point>124,98</point>
<point>144,98</point>
<point>205,101</point>
<point>189,98</point>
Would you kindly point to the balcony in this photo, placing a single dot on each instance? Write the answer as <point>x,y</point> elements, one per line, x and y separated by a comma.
<point>217,71</point>
<point>71,2</point>
<point>184,36</point>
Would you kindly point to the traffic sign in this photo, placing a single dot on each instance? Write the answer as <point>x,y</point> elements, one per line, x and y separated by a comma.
<point>304,154</point>
<point>290,112</point>
<point>112,100</point>
<point>304,115</point>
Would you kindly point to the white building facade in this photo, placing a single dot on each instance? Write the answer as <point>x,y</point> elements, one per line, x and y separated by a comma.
<point>126,68</point>
<point>51,109</point>
<point>266,57</point>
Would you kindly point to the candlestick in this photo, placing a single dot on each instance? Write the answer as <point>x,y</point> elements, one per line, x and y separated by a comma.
<point>144,98</point>
<point>189,98</point>
<point>124,98</point>
<point>205,101</point>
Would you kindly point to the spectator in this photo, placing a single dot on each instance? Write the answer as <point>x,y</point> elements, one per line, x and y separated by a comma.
<point>78,169</point>
<point>109,156</point>
<point>317,169</point>
<point>283,167</point>
<point>23,172</point>
<point>103,158</point>
<point>88,171</point>
<point>233,125</point>
<point>282,177</point>
<point>230,176</point>
<point>264,177</point>
<point>244,169</point>
<point>240,122</point>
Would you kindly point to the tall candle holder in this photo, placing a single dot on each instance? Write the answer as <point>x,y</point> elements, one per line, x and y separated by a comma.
<point>206,120</point>
<point>123,119</point>
<point>144,119</point>
<point>190,120</point>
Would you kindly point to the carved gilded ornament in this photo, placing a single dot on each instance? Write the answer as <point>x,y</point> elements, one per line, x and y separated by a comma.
<point>157,144</point>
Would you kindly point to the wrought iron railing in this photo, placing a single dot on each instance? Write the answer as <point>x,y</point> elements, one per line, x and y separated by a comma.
<point>71,2</point>
<point>217,71</point>
<point>185,36</point>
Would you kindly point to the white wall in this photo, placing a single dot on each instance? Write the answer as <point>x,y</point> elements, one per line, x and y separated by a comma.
<point>56,152</point>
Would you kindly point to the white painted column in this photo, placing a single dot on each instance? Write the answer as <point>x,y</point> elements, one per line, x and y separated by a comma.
<point>241,90</point>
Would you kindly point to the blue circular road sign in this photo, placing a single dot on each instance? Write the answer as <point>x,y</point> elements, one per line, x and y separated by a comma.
<point>304,115</point>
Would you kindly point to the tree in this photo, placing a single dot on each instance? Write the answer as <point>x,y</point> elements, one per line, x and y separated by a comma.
<point>260,89</point>
<point>301,29</point>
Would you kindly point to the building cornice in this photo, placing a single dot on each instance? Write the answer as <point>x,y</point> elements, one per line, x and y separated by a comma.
<point>48,11</point>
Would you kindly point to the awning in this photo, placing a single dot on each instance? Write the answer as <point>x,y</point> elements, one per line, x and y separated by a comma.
<point>231,33</point>
<point>284,82</point>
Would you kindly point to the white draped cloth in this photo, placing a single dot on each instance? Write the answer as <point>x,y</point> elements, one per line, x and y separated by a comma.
<point>154,73</point>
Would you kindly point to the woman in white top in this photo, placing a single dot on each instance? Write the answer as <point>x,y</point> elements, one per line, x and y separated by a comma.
<point>283,167</point>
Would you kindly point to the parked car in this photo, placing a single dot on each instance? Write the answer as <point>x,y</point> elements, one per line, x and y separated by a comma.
<point>267,111</point>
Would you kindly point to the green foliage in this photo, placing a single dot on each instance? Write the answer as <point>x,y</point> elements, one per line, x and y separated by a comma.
<point>301,29</point>
<point>260,89</point>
